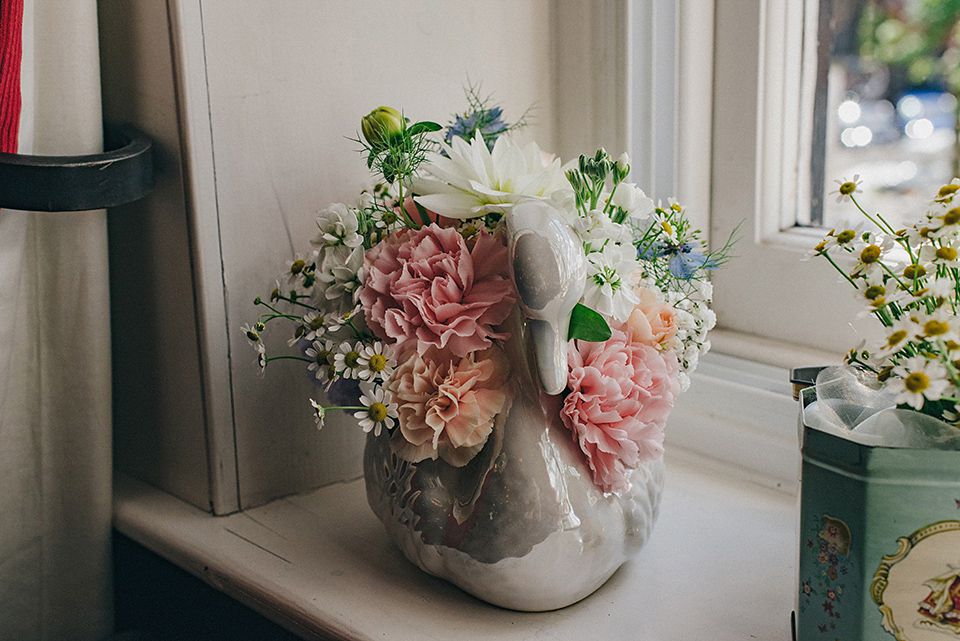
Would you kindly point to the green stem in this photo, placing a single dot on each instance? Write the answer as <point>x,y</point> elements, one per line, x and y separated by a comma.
<point>267,359</point>
<point>827,255</point>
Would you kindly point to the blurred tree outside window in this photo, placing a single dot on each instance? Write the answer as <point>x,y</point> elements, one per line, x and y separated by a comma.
<point>889,84</point>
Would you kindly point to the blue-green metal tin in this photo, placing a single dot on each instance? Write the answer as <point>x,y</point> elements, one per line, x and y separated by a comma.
<point>879,541</point>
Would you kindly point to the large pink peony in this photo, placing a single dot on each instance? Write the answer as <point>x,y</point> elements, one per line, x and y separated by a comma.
<point>621,393</point>
<point>447,405</point>
<point>429,288</point>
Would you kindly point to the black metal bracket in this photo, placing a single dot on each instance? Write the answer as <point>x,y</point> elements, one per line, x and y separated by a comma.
<point>120,175</point>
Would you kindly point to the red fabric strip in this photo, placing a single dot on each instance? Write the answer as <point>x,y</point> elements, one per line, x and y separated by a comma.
<point>11,54</point>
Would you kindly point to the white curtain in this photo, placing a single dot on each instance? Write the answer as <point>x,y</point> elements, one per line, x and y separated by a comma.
<point>55,457</point>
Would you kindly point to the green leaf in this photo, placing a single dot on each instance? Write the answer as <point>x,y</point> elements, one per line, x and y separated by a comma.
<point>423,127</point>
<point>588,325</point>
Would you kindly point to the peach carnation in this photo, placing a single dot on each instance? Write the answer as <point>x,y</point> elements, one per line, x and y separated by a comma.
<point>429,288</point>
<point>653,322</point>
<point>447,405</point>
<point>621,393</point>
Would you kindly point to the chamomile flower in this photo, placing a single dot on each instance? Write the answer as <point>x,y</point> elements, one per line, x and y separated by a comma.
<point>346,360</point>
<point>252,332</point>
<point>376,362</point>
<point>944,252</point>
<point>941,325</point>
<point>946,193</point>
<point>918,380</point>
<point>379,411</point>
<point>300,267</point>
<point>322,363</point>
<point>313,326</point>
<point>903,330</point>
<point>318,413</point>
<point>870,251</point>
<point>336,323</point>
<point>846,188</point>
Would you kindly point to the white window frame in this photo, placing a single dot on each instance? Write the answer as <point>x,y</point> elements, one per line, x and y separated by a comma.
<point>761,117</point>
<point>735,150</point>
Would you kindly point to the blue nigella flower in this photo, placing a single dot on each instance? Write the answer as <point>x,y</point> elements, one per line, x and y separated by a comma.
<point>489,122</point>
<point>686,259</point>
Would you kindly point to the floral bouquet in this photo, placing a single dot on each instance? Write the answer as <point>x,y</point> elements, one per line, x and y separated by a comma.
<point>403,309</point>
<point>909,280</point>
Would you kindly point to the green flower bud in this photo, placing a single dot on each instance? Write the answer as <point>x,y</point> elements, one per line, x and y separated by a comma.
<point>382,124</point>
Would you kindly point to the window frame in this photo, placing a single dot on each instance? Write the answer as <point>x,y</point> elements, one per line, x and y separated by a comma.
<point>760,179</point>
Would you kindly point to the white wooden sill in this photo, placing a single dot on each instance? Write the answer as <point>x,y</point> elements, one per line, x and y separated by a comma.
<point>720,565</point>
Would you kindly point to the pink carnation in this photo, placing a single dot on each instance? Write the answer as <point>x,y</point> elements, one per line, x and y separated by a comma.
<point>621,393</point>
<point>447,405</point>
<point>430,288</point>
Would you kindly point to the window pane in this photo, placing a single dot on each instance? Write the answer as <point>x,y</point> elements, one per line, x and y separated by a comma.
<point>888,84</point>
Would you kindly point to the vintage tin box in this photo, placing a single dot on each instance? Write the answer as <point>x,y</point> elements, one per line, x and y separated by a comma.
<point>879,541</point>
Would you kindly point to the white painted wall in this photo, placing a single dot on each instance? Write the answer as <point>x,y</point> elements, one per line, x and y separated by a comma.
<point>268,95</point>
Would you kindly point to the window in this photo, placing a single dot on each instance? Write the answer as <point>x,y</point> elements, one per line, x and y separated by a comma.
<point>762,146</point>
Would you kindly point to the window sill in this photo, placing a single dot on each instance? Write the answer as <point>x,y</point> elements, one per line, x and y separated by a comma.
<point>321,565</point>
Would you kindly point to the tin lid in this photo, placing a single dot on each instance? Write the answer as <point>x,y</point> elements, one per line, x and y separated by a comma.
<point>803,377</point>
<point>875,464</point>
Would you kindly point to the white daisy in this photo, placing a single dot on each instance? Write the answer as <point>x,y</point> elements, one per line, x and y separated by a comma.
<point>346,360</point>
<point>380,411</point>
<point>321,365</point>
<point>918,380</point>
<point>376,362</point>
<point>313,326</point>
<point>318,413</point>
<point>903,330</point>
<point>846,188</point>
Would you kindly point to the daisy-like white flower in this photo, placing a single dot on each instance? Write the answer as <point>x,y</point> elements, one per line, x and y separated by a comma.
<point>252,332</point>
<point>945,252</point>
<point>346,360</point>
<point>336,323</point>
<point>941,325</point>
<point>947,192</point>
<point>318,413</point>
<point>322,364</point>
<point>376,362</point>
<point>846,188</point>
<point>384,219</point>
<point>313,326</point>
<point>903,330</point>
<point>918,380</point>
<point>870,251</point>
<point>300,268</point>
<point>379,411</point>
<point>468,180</point>
<point>941,289</point>
<point>337,226</point>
